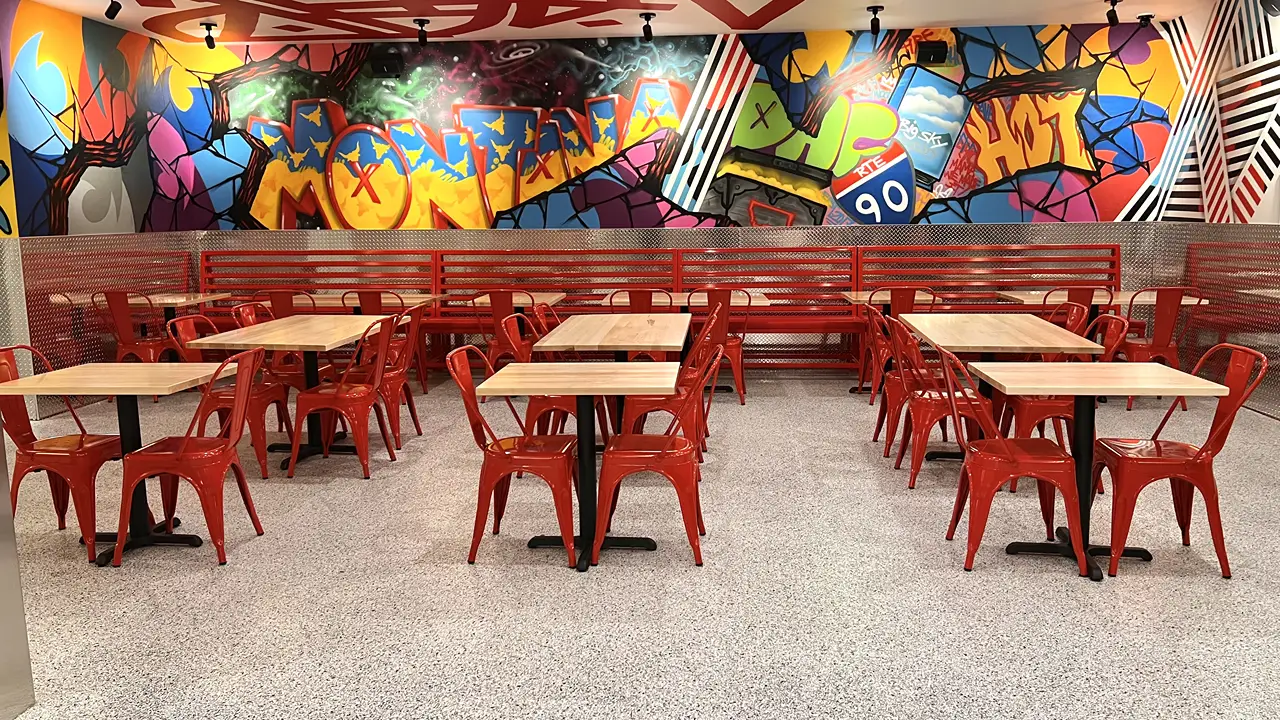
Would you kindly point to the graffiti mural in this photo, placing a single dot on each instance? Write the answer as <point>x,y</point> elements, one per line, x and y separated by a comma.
<point>110,131</point>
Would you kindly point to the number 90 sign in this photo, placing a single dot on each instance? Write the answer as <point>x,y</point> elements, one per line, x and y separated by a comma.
<point>881,190</point>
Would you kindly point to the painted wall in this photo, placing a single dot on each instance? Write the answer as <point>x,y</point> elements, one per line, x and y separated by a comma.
<point>110,131</point>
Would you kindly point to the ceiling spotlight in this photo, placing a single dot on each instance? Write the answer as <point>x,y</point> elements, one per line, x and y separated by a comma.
<point>1144,19</point>
<point>647,31</point>
<point>875,11</point>
<point>208,33</point>
<point>1113,18</point>
<point>114,9</point>
<point>422,24</point>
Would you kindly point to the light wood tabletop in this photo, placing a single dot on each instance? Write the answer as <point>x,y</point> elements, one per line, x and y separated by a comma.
<point>312,333</point>
<point>654,332</point>
<point>638,378</point>
<point>1120,297</point>
<point>1114,378</point>
<point>683,299</point>
<point>173,300</point>
<point>389,301</point>
<point>115,379</point>
<point>521,299</point>
<point>860,297</point>
<point>996,333</point>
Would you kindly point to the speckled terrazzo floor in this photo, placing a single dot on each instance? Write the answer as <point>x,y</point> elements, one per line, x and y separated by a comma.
<point>828,591</point>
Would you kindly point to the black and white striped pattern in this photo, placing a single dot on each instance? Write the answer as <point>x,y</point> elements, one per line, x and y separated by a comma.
<point>1251,34</point>
<point>1185,202</point>
<point>1193,120</point>
<point>709,121</point>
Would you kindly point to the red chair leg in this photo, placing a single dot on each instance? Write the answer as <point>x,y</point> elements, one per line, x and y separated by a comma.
<point>243,483</point>
<point>907,439</point>
<point>360,438</point>
<point>1209,491</point>
<point>210,494</point>
<point>382,425</point>
<point>1124,499</point>
<point>169,499</point>
<point>739,378</point>
<point>1047,495</point>
<point>686,484</point>
<point>60,489</point>
<point>413,408</point>
<point>488,479</point>
<point>1071,502</point>
<point>962,497</point>
<point>86,515</point>
<point>982,494</point>
<point>122,533</point>
<point>393,416</point>
<point>606,494</point>
<point>1183,496</point>
<point>500,492</point>
<point>257,422</point>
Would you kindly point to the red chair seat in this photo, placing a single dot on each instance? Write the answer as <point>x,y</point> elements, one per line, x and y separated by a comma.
<point>539,445</point>
<point>107,445</point>
<point>1030,453</point>
<point>197,447</point>
<point>1146,451</point>
<point>648,445</point>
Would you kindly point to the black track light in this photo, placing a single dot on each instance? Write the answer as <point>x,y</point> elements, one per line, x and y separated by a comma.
<point>113,9</point>
<point>1144,19</point>
<point>875,11</point>
<point>422,24</point>
<point>208,33</point>
<point>1113,17</point>
<point>647,30</point>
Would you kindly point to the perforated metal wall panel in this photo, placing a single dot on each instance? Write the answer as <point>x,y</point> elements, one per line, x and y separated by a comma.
<point>1226,261</point>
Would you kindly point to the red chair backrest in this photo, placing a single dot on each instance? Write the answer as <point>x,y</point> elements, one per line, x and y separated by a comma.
<point>1108,331</point>
<point>1167,310</point>
<point>13,408</point>
<point>958,381</point>
<point>247,364</point>
<point>641,300</point>
<point>119,311</point>
<point>522,345</point>
<point>284,302</point>
<point>187,328</point>
<point>903,298</point>
<point>1070,315</point>
<point>411,329</point>
<point>908,358</point>
<point>1081,295</point>
<point>723,297</point>
<point>878,331</point>
<point>503,303</point>
<point>459,364</point>
<point>372,302</point>
<point>708,369</point>
<point>373,353</point>
<point>1244,372</point>
<point>704,337</point>
<point>250,313</point>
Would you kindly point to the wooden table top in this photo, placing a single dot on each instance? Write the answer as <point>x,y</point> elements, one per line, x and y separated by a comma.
<point>1120,297</point>
<point>632,378</point>
<point>682,299</point>
<point>1079,378</point>
<point>654,332</point>
<point>115,379</point>
<point>860,297</point>
<point>296,332</point>
<point>996,332</point>
<point>173,300</point>
<point>1269,293</point>
<point>389,301</point>
<point>521,300</point>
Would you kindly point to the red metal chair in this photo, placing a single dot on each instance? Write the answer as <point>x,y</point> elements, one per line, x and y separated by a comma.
<point>1026,413</point>
<point>547,319</point>
<point>877,348</point>
<point>546,413</point>
<point>1086,295</point>
<point>116,306</point>
<point>394,389</point>
<point>896,385</point>
<point>284,366</point>
<point>350,399</point>
<point>1072,316</point>
<point>221,400</point>
<point>71,461</point>
<point>1162,345</point>
<point>1135,464</point>
<point>670,455</point>
<point>720,334</point>
<point>927,398</point>
<point>878,352</point>
<point>550,457</point>
<point>372,302</point>
<point>638,407</point>
<point>994,460</point>
<point>201,461</point>
<point>501,304</point>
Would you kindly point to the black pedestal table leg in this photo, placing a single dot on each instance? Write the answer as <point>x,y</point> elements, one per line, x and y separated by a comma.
<point>141,532</point>
<point>620,402</point>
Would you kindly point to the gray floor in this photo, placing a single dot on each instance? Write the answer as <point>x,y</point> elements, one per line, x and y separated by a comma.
<point>828,591</point>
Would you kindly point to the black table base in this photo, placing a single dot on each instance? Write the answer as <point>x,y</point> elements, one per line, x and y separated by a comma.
<point>1061,546</point>
<point>587,485</point>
